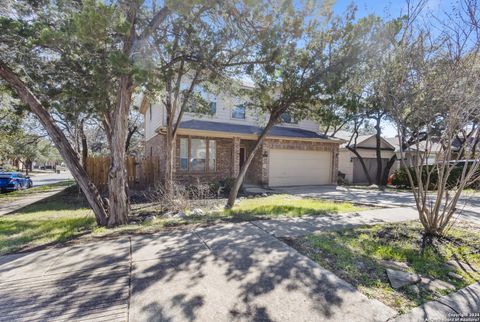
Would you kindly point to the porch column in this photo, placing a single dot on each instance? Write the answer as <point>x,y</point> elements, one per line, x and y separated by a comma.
<point>236,157</point>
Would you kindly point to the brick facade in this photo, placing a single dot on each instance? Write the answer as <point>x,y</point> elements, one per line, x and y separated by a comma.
<point>227,157</point>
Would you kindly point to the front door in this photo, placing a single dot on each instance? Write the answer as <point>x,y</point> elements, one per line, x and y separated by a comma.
<point>242,156</point>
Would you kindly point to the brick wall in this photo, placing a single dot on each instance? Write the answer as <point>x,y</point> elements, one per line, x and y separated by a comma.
<point>224,168</point>
<point>254,172</point>
<point>258,171</point>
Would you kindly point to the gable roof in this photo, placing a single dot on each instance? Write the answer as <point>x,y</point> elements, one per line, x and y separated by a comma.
<point>394,141</point>
<point>362,139</point>
<point>276,131</point>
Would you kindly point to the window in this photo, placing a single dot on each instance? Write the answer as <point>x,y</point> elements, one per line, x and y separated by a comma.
<point>198,154</point>
<point>238,111</point>
<point>184,154</point>
<point>213,108</point>
<point>287,118</point>
<point>193,155</point>
<point>212,155</point>
<point>150,112</point>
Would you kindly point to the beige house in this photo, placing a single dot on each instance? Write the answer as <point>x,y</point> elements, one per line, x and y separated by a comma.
<point>214,146</point>
<point>349,164</point>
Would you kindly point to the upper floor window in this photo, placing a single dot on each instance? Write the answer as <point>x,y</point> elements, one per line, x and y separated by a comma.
<point>213,107</point>
<point>150,112</point>
<point>238,111</point>
<point>195,107</point>
<point>287,118</point>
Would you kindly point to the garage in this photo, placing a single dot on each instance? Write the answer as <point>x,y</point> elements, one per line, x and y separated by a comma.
<point>359,175</point>
<point>299,168</point>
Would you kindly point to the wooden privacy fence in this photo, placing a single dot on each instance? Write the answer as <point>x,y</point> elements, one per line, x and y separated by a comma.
<point>142,172</point>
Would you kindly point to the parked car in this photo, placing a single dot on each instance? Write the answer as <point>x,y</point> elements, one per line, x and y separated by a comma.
<point>10,181</point>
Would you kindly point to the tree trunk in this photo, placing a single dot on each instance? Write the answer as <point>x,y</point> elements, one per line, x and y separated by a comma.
<point>169,161</point>
<point>117,176</point>
<point>83,139</point>
<point>68,153</point>
<point>241,176</point>
<point>378,151</point>
<point>364,167</point>
<point>131,132</point>
<point>386,171</point>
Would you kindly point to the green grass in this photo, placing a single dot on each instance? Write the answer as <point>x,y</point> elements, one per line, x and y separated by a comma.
<point>66,216</point>
<point>53,220</point>
<point>357,255</point>
<point>286,205</point>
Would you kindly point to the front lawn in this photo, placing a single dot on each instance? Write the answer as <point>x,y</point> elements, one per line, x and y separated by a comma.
<point>361,255</point>
<point>290,206</point>
<point>53,220</point>
<point>66,216</point>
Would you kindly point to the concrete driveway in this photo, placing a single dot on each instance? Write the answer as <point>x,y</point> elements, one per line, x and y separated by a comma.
<point>229,272</point>
<point>468,206</point>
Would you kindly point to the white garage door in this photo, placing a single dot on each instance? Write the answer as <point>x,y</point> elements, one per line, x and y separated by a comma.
<point>295,167</point>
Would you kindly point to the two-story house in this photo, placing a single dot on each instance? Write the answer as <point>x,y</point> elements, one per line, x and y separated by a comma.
<point>215,146</point>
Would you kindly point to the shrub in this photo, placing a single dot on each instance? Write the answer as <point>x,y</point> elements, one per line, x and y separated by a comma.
<point>400,178</point>
<point>227,184</point>
<point>222,187</point>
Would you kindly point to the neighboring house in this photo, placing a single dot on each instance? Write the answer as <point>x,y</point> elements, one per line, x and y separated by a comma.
<point>412,152</point>
<point>349,164</point>
<point>214,147</point>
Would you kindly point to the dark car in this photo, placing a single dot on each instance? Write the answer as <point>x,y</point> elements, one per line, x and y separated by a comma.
<point>10,181</point>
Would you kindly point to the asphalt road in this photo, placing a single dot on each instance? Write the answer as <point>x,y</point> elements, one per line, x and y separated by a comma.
<point>41,179</point>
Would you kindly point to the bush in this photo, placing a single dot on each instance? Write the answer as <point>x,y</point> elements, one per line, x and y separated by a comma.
<point>222,187</point>
<point>400,178</point>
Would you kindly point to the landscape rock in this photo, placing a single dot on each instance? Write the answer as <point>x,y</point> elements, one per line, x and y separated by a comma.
<point>197,212</point>
<point>360,265</point>
<point>455,276</point>
<point>264,194</point>
<point>454,265</point>
<point>400,278</point>
<point>414,289</point>
<point>180,215</point>
<point>394,264</point>
<point>169,214</point>
<point>436,284</point>
<point>150,218</point>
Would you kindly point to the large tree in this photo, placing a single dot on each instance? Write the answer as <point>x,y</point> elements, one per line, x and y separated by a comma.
<point>46,46</point>
<point>308,55</point>
<point>198,52</point>
<point>434,101</point>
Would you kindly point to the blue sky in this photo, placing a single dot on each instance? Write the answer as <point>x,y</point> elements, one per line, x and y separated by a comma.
<point>392,9</point>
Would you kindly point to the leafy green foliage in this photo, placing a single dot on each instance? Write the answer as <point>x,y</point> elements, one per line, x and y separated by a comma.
<point>400,178</point>
<point>285,205</point>
<point>358,255</point>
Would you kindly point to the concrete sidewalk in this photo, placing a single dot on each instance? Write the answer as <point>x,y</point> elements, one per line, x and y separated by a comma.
<point>230,272</point>
<point>227,272</point>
